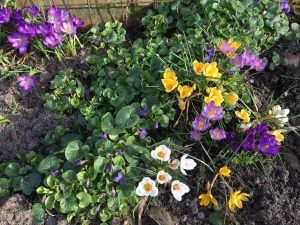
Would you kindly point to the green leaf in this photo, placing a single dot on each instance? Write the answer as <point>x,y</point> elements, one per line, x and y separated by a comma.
<point>4,119</point>
<point>84,198</point>
<point>69,176</point>
<point>73,151</point>
<point>13,169</point>
<point>82,176</point>
<point>215,219</point>
<point>29,182</point>
<point>100,163</point>
<point>49,163</point>
<point>38,213</point>
<point>4,187</point>
<point>68,205</point>
<point>127,117</point>
<point>108,125</point>
<point>50,181</point>
<point>49,202</point>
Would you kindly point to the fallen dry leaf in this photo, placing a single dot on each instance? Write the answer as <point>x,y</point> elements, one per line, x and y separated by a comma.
<point>293,60</point>
<point>161,216</point>
<point>141,208</point>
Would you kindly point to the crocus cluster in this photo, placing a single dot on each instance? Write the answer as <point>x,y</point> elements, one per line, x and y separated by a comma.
<point>147,187</point>
<point>260,139</point>
<point>210,112</point>
<point>228,47</point>
<point>285,7</point>
<point>49,30</point>
<point>248,59</point>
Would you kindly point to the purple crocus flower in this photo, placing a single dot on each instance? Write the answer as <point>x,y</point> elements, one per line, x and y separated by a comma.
<point>18,41</point>
<point>103,136</point>
<point>68,28</point>
<point>258,64</point>
<point>211,51</point>
<point>208,58</point>
<point>51,41</point>
<point>119,178</point>
<point>143,133</point>
<point>120,152</point>
<point>54,172</point>
<point>26,82</point>
<point>17,16</point>
<point>261,128</point>
<point>238,61</point>
<point>200,123</point>
<point>209,54</point>
<point>4,15</point>
<point>56,27</point>
<point>77,22</point>
<point>217,134</point>
<point>56,15</point>
<point>143,111</point>
<point>27,29</point>
<point>247,57</point>
<point>195,135</point>
<point>44,30</point>
<point>230,136</point>
<point>34,11</point>
<point>58,37</point>
<point>249,143</point>
<point>212,112</point>
<point>268,145</point>
<point>285,6</point>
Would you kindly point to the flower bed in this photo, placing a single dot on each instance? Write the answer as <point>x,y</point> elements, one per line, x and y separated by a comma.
<point>150,112</point>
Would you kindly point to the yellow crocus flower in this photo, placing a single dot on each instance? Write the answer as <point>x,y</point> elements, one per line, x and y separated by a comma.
<point>278,135</point>
<point>214,95</point>
<point>225,171</point>
<point>185,91</point>
<point>169,84</point>
<point>236,200</point>
<point>212,72</point>
<point>205,199</point>
<point>231,98</point>
<point>199,67</point>
<point>244,115</point>
<point>170,74</point>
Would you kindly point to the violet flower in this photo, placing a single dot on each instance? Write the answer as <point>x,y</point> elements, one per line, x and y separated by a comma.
<point>77,22</point>
<point>217,134</point>
<point>103,136</point>
<point>95,41</point>
<point>54,172</point>
<point>4,15</point>
<point>27,29</point>
<point>142,133</point>
<point>68,28</point>
<point>143,111</point>
<point>26,82</point>
<point>51,41</point>
<point>44,30</point>
<point>285,6</point>
<point>230,136</point>
<point>34,11</point>
<point>119,178</point>
<point>268,145</point>
<point>200,123</point>
<point>258,64</point>
<point>238,61</point>
<point>120,152</point>
<point>249,143</point>
<point>18,41</point>
<point>195,135</point>
<point>212,112</point>
<point>17,17</point>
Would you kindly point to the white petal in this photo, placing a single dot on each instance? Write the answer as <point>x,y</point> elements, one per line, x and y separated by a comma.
<point>182,170</point>
<point>154,192</point>
<point>177,196</point>
<point>188,164</point>
<point>139,191</point>
<point>153,154</point>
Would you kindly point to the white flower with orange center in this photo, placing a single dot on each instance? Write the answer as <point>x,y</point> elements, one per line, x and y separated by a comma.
<point>174,165</point>
<point>147,188</point>
<point>186,164</point>
<point>163,177</point>
<point>162,153</point>
<point>178,189</point>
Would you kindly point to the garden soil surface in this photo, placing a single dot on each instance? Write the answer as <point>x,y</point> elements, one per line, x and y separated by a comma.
<point>275,189</point>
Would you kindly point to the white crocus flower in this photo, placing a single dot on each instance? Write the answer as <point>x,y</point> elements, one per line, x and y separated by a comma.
<point>186,164</point>
<point>162,153</point>
<point>163,177</point>
<point>147,188</point>
<point>174,165</point>
<point>245,126</point>
<point>280,114</point>
<point>178,189</point>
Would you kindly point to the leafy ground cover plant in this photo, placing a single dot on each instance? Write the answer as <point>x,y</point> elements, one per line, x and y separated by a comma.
<point>174,95</point>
